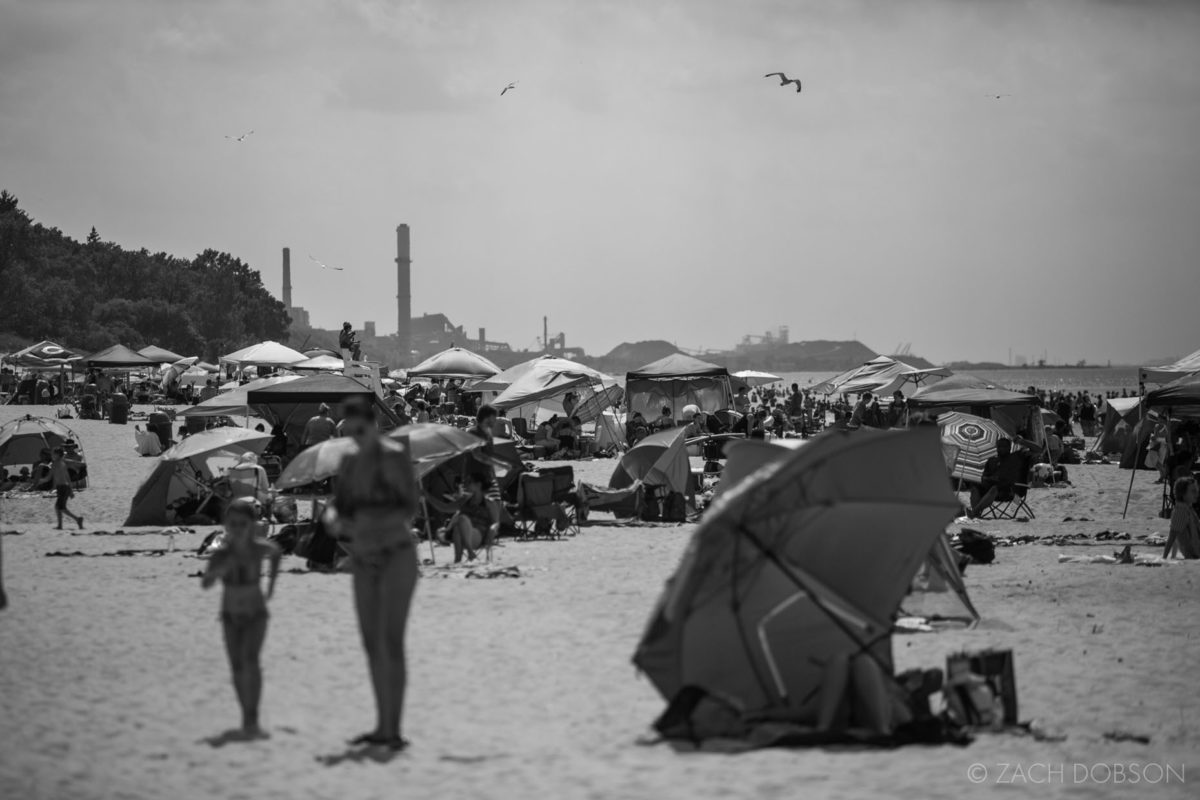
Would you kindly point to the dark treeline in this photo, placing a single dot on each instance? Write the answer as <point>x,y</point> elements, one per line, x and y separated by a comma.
<point>89,295</point>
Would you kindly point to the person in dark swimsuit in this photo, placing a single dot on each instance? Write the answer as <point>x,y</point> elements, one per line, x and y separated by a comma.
<point>237,562</point>
<point>374,502</point>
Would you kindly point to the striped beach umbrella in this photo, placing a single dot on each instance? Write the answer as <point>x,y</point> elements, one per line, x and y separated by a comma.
<point>976,439</point>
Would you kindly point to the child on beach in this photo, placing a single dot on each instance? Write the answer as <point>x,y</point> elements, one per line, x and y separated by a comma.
<point>63,492</point>
<point>237,562</point>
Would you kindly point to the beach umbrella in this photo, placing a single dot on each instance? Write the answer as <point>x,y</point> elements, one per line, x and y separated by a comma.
<point>660,459</point>
<point>313,352</point>
<point>44,354</point>
<point>976,439</point>
<point>265,354</point>
<point>429,444</point>
<point>23,440</point>
<point>159,355</point>
<point>754,378</point>
<point>455,363</point>
<point>800,566</point>
<point>501,381</point>
<point>189,469</point>
<point>319,363</point>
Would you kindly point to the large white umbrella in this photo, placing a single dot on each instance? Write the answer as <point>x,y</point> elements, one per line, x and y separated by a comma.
<point>266,354</point>
<point>753,378</point>
<point>454,363</point>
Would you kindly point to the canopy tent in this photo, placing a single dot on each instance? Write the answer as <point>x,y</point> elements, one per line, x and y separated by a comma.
<point>833,385</point>
<point>181,482</point>
<point>118,357</point>
<point>319,363</point>
<point>794,578</point>
<point>1181,396</point>
<point>882,376</point>
<point>23,440</point>
<point>660,459</point>
<point>292,403</point>
<point>271,354</point>
<point>235,402</point>
<point>454,363</point>
<point>43,355</point>
<point>1015,412</point>
<point>159,355</point>
<point>1166,373</point>
<point>1121,415</point>
<point>676,381</point>
<point>1179,399</point>
<point>502,380</point>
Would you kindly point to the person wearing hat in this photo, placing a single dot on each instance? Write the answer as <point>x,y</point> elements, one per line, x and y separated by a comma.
<point>319,428</point>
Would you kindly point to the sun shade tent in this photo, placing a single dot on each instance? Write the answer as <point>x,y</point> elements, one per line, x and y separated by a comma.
<point>660,459</point>
<point>1015,412</point>
<point>23,440</point>
<point>43,355</point>
<point>803,563</point>
<point>676,381</point>
<point>753,378</point>
<point>118,357</point>
<point>454,363</point>
<point>267,354</point>
<point>159,355</point>
<point>234,402</point>
<point>540,390</point>
<point>292,403</point>
<point>1166,373</point>
<point>188,470</point>
<point>1121,416</point>
<point>502,380</point>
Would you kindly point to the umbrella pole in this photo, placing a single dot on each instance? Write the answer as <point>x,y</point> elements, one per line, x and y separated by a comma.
<point>1130,491</point>
<point>428,529</point>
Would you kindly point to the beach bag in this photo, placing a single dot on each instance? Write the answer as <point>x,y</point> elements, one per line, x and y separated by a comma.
<point>674,508</point>
<point>976,545</point>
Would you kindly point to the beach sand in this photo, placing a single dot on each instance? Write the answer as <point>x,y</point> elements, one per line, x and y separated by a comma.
<point>114,672</point>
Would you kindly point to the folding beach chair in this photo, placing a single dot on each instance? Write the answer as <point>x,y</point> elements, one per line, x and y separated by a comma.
<point>1014,504</point>
<point>535,512</point>
<point>566,495</point>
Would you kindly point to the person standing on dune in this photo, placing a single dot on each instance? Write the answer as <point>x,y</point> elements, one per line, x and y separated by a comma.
<point>62,488</point>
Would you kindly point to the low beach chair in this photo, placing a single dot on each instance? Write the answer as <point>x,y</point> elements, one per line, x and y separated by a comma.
<point>535,512</point>
<point>566,495</point>
<point>1013,505</point>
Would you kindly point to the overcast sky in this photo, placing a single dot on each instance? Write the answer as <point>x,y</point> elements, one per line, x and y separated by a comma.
<point>644,180</point>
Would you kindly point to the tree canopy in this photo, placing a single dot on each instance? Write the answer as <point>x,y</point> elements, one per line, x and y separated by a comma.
<point>89,295</point>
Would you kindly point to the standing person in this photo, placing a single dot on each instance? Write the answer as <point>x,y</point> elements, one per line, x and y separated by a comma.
<point>63,492</point>
<point>1087,415</point>
<point>319,428</point>
<point>375,500</point>
<point>1185,524</point>
<point>237,563</point>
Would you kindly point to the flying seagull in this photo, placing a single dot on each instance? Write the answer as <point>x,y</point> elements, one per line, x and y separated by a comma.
<point>998,96</point>
<point>784,80</point>
<point>323,264</point>
<point>512,85</point>
<point>241,138</point>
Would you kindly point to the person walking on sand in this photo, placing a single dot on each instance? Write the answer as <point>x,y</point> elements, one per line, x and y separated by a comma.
<point>237,562</point>
<point>63,492</point>
<point>375,500</point>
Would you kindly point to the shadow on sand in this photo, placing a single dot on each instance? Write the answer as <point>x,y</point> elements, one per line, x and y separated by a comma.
<point>234,736</point>
<point>359,754</point>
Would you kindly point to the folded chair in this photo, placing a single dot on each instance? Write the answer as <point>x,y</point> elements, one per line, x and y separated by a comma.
<point>536,513</point>
<point>1013,504</point>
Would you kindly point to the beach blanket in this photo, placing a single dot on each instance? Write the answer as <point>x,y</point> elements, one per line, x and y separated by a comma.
<point>1138,560</point>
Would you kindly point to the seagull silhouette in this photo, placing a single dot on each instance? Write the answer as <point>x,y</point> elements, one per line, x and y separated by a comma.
<point>512,85</point>
<point>241,138</point>
<point>784,80</point>
<point>324,265</point>
<point>998,96</point>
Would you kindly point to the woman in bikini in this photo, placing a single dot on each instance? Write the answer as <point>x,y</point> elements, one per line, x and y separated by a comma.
<point>375,499</point>
<point>237,562</point>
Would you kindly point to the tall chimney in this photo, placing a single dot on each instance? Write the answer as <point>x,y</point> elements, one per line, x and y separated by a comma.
<point>403,295</point>
<point>287,278</point>
<point>546,334</point>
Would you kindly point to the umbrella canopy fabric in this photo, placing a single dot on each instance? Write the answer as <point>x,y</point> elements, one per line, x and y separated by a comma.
<point>235,401</point>
<point>802,563</point>
<point>264,353</point>
<point>44,354</point>
<point>1166,373</point>
<point>319,363</point>
<point>455,363</point>
<point>546,380</point>
<point>159,355</point>
<point>678,365</point>
<point>676,381</point>
<point>117,357</point>
<point>502,380</point>
<point>187,470</point>
<point>966,391</point>
<point>660,459</point>
<point>834,384</point>
<point>754,378</point>
<point>1182,395</point>
<point>976,439</point>
<point>23,440</point>
<point>322,388</point>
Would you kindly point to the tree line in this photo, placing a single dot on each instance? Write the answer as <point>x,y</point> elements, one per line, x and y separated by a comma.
<point>92,294</point>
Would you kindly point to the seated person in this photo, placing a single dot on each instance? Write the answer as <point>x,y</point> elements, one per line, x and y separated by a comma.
<point>1001,473</point>
<point>664,421</point>
<point>40,476</point>
<point>703,425</point>
<point>544,436</point>
<point>1185,524</point>
<point>751,423</point>
<point>6,482</point>
<point>636,428</point>
<point>568,431</point>
<point>741,402</point>
<point>781,424</point>
<point>472,524</point>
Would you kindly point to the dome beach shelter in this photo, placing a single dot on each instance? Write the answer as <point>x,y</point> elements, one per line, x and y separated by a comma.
<point>676,381</point>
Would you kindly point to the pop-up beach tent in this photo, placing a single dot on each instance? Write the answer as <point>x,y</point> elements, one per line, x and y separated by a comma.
<point>674,382</point>
<point>1121,415</point>
<point>1167,373</point>
<point>1179,399</point>
<point>782,607</point>
<point>544,385</point>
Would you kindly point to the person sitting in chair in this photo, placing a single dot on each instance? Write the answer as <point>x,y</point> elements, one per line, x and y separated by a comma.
<point>545,438</point>
<point>636,429</point>
<point>1001,473</point>
<point>472,525</point>
<point>665,420</point>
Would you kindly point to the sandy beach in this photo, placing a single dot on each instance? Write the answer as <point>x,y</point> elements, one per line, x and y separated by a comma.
<point>114,673</point>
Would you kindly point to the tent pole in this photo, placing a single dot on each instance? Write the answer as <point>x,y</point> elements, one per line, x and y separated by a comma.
<point>1131,477</point>
<point>428,529</point>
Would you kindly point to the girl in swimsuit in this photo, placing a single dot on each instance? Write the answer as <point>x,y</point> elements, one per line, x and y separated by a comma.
<point>238,564</point>
<point>375,500</point>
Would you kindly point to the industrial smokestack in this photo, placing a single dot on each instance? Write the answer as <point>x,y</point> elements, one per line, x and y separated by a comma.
<point>287,278</point>
<point>482,339</point>
<point>403,295</point>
